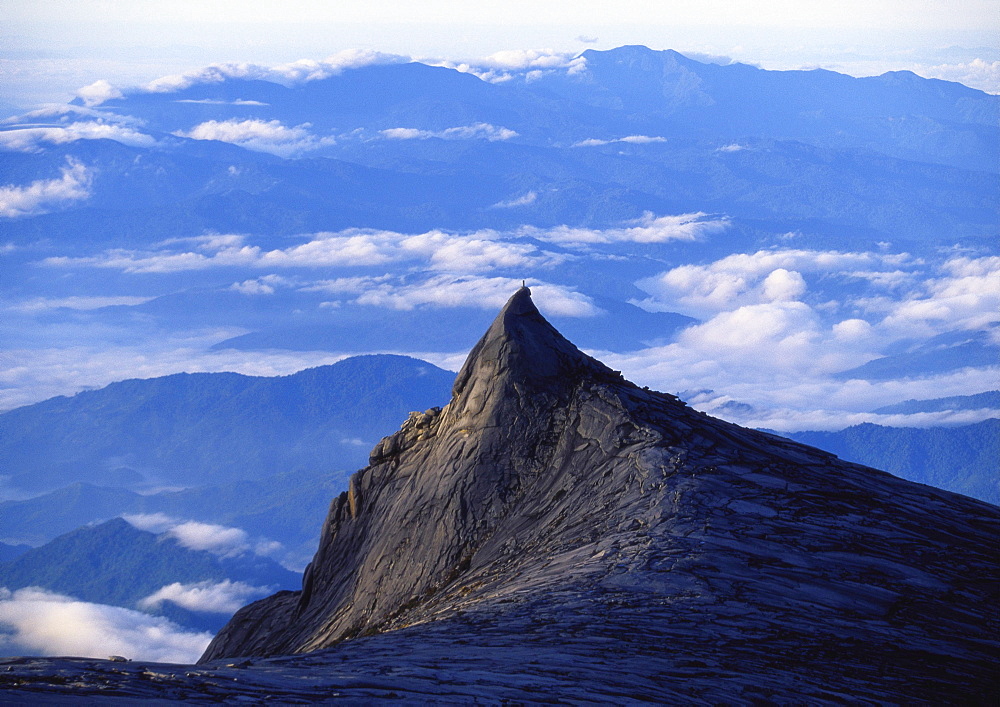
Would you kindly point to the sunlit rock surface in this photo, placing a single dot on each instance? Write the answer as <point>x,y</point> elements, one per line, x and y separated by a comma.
<point>556,532</point>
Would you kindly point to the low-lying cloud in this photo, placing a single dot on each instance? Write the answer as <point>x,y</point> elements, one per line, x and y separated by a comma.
<point>46,194</point>
<point>527,64</point>
<point>647,229</point>
<point>765,276</point>
<point>476,131</point>
<point>452,291</point>
<point>630,139</point>
<point>77,302</point>
<point>287,74</point>
<point>439,250</point>
<point>35,621</point>
<point>225,597</point>
<point>98,92</point>
<point>32,139</point>
<point>261,136</point>
<point>217,539</point>
<point>224,541</point>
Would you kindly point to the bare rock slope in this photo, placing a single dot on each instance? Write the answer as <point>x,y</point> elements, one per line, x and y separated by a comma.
<point>554,519</point>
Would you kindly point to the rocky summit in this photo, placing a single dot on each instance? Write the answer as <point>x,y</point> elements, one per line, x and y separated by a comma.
<point>556,533</point>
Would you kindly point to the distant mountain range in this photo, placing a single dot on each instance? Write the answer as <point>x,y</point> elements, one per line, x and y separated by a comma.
<point>989,399</point>
<point>215,428</point>
<point>961,459</point>
<point>114,563</point>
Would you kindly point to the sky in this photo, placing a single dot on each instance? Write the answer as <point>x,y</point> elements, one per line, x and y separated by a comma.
<point>49,49</point>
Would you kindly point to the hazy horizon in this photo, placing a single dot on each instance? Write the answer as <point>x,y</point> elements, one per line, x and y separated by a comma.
<point>54,48</point>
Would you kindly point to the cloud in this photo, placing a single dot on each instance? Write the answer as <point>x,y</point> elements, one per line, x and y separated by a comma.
<point>212,102</point>
<point>978,73</point>
<point>40,622</point>
<point>444,251</point>
<point>261,286</point>
<point>259,135</point>
<point>746,279</point>
<point>67,112</point>
<point>78,302</point>
<point>153,522</point>
<point>647,229</point>
<point>782,374</point>
<point>456,291</point>
<point>288,74</point>
<point>31,139</point>
<point>528,64</point>
<point>222,540</point>
<point>525,200</point>
<point>225,597</point>
<point>779,323</point>
<point>476,131</point>
<point>632,139</point>
<point>967,296</point>
<point>97,93</point>
<point>45,194</point>
<point>472,252</point>
<point>216,539</point>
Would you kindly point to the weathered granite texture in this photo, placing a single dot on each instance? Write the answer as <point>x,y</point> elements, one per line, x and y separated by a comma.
<point>557,533</point>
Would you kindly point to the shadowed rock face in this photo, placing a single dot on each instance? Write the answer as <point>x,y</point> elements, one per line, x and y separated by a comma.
<point>554,503</point>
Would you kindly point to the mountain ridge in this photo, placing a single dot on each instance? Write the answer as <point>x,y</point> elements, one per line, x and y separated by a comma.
<point>551,491</point>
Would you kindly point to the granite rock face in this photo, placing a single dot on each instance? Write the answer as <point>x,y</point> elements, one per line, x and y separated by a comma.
<point>554,506</point>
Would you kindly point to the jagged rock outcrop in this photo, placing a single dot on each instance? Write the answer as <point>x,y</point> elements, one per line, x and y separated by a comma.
<point>553,504</point>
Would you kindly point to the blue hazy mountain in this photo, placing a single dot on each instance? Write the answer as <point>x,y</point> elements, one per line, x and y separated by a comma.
<point>115,563</point>
<point>944,352</point>
<point>213,428</point>
<point>897,113</point>
<point>281,508</point>
<point>623,91</point>
<point>989,399</point>
<point>894,156</point>
<point>9,552</point>
<point>620,326</point>
<point>961,459</point>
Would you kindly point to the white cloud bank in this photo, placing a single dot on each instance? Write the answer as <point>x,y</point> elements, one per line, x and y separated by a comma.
<point>451,291</point>
<point>31,139</point>
<point>439,250</point>
<point>475,252</point>
<point>35,621</point>
<point>629,139</point>
<point>978,73</point>
<point>225,597</point>
<point>476,131</point>
<point>528,64</point>
<point>78,302</point>
<point>745,279</point>
<point>97,93</point>
<point>261,136</point>
<point>45,194</point>
<point>221,540</point>
<point>772,335</point>
<point>287,74</point>
<point>647,229</point>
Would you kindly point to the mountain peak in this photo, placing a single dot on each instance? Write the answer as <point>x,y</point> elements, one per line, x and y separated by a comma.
<point>522,346</point>
<point>552,501</point>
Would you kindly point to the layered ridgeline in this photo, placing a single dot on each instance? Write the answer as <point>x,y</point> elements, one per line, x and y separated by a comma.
<point>556,509</point>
